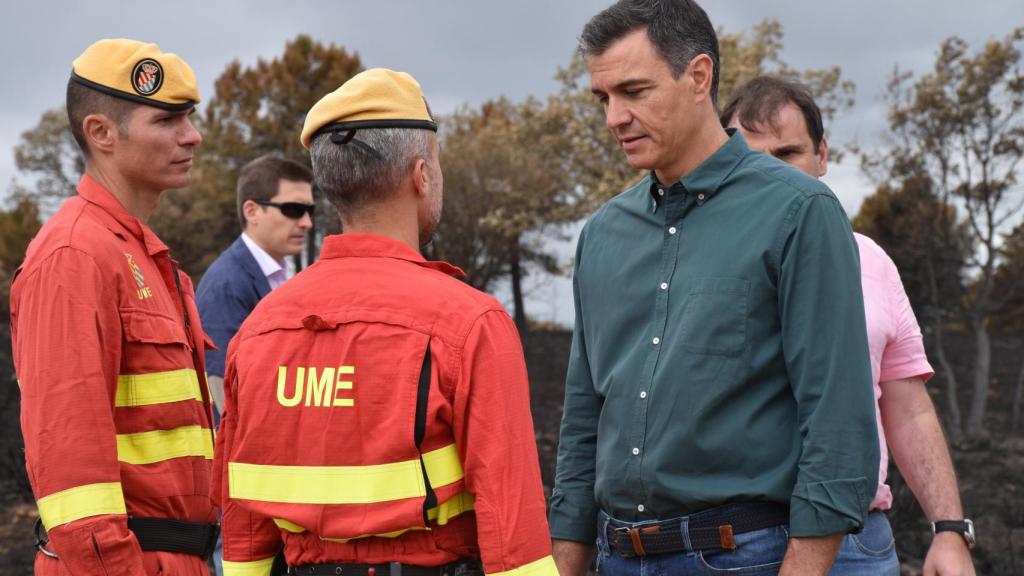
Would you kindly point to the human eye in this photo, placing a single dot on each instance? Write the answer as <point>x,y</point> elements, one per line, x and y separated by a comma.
<point>634,91</point>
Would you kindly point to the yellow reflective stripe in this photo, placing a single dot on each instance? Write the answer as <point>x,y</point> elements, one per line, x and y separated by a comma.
<point>543,567</point>
<point>160,445</point>
<point>450,508</point>
<point>289,526</point>
<point>343,484</point>
<point>326,484</point>
<point>255,568</point>
<point>461,502</point>
<point>157,388</point>
<point>81,502</point>
<point>443,466</point>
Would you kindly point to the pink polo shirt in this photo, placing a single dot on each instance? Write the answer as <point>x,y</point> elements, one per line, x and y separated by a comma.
<point>894,338</point>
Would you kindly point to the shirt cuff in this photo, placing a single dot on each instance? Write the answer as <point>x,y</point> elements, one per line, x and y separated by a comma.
<point>831,507</point>
<point>573,518</point>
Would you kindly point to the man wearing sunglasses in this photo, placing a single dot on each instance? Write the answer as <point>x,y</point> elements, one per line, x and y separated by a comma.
<point>275,209</point>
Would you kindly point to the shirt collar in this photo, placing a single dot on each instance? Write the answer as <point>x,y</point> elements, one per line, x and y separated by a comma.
<point>704,181</point>
<point>118,220</point>
<point>268,264</point>
<point>374,246</point>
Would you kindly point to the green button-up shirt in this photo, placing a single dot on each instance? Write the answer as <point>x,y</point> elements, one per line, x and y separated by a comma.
<point>719,354</point>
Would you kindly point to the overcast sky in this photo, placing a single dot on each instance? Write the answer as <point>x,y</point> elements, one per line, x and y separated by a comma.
<point>467,51</point>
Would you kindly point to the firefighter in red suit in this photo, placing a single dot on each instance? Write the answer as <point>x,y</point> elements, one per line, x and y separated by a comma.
<point>377,413</point>
<point>108,347</point>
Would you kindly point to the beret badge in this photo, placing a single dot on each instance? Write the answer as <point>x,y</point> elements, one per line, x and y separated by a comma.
<point>147,76</point>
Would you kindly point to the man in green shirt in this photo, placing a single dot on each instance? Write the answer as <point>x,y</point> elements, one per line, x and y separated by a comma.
<point>718,407</point>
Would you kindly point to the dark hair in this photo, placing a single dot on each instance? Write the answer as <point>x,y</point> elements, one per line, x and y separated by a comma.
<point>756,103</point>
<point>679,30</point>
<point>352,179</point>
<point>260,179</point>
<point>82,101</point>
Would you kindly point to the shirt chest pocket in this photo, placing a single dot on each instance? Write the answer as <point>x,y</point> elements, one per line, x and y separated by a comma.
<point>153,343</point>
<point>714,317</point>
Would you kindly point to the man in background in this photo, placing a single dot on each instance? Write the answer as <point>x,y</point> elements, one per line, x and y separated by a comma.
<point>780,117</point>
<point>275,210</point>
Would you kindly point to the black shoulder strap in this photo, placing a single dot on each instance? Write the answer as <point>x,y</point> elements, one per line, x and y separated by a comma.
<point>420,429</point>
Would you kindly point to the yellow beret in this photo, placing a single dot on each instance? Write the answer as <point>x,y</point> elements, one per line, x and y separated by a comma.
<point>375,98</point>
<point>138,72</point>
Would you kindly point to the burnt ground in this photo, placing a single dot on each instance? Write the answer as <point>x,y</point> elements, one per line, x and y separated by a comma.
<point>990,470</point>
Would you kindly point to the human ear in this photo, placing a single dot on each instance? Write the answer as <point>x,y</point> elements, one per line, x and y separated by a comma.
<point>701,72</point>
<point>100,132</point>
<point>822,158</point>
<point>420,178</point>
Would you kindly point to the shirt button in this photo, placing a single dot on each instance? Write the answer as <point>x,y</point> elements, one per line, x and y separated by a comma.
<point>656,341</point>
<point>700,197</point>
<point>672,230</point>
<point>640,508</point>
<point>664,285</point>
<point>636,451</point>
<point>643,394</point>
<point>661,191</point>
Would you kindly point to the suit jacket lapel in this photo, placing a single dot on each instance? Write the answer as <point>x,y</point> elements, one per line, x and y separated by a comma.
<point>240,252</point>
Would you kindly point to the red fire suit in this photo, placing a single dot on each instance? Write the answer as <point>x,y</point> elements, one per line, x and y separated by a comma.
<point>318,449</point>
<point>114,404</point>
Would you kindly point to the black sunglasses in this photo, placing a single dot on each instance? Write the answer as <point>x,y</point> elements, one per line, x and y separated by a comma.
<point>293,210</point>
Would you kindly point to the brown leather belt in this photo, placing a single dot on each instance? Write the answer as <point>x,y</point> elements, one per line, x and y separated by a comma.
<point>711,529</point>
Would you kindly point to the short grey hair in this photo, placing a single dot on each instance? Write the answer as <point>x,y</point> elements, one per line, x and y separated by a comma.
<point>680,30</point>
<point>352,177</point>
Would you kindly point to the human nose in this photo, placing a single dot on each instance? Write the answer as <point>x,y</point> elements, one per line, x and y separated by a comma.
<point>616,114</point>
<point>305,223</point>
<point>191,136</point>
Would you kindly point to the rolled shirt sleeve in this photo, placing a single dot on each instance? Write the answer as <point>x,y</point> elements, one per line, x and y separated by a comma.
<point>904,356</point>
<point>826,354</point>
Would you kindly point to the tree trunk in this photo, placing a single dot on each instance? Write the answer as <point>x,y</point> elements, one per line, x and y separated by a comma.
<point>515,264</point>
<point>954,427</point>
<point>982,371</point>
<point>1018,397</point>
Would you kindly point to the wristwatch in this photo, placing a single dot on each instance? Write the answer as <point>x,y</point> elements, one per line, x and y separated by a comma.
<point>963,527</point>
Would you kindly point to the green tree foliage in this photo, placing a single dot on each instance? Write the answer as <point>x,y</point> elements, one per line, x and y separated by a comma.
<point>961,127</point>
<point>253,111</point>
<point>919,233</point>
<point>17,228</point>
<point>49,159</point>
<point>505,187</point>
<point>747,55</point>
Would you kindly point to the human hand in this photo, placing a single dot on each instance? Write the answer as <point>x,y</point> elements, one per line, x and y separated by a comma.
<point>948,556</point>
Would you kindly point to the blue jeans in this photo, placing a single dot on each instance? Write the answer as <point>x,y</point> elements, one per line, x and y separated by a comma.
<point>758,553</point>
<point>870,553</point>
